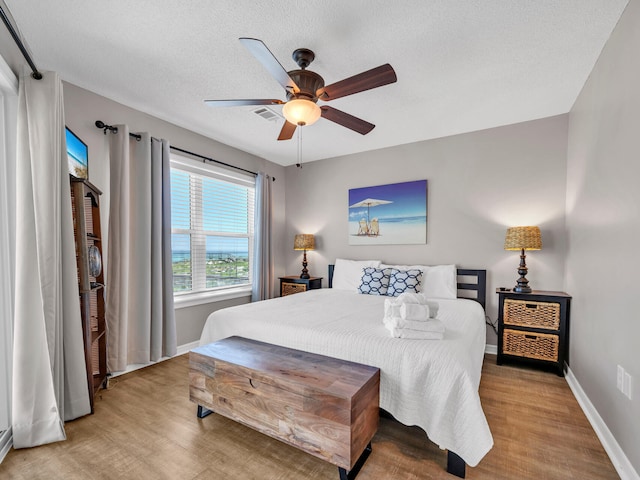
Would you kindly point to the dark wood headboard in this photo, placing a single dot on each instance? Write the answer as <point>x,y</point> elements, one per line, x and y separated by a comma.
<point>467,287</point>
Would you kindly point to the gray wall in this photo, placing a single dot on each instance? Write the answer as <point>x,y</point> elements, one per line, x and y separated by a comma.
<point>478,184</point>
<point>603,223</point>
<point>83,108</point>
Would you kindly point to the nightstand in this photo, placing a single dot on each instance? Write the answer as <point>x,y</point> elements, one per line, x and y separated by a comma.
<point>533,328</point>
<point>294,284</point>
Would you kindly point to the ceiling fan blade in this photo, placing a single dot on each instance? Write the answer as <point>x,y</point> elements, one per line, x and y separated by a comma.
<point>376,77</point>
<point>341,118</point>
<point>240,103</point>
<point>259,50</point>
<point>287,131</point>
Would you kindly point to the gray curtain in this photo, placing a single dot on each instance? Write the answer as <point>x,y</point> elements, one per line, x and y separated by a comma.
<point>262,250</point>
<point>49,371</point>
<point>139,311</point>
<point>163,328</point>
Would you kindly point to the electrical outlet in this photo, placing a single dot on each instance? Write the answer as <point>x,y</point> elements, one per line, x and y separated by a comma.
<point>627,385</point>
<point>620,378</point>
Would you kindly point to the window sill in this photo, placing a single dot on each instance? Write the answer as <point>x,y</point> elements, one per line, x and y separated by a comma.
<point>191,300</point>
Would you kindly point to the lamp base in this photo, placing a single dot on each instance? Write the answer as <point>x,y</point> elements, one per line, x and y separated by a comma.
<point>522,289</point>
<point>305,273</point>
<point>522,283</point>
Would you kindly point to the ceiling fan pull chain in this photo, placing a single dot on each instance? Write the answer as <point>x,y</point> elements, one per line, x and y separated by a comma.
<point>299,164</point>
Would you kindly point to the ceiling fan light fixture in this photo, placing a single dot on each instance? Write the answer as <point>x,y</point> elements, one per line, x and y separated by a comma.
<point>300,111</point>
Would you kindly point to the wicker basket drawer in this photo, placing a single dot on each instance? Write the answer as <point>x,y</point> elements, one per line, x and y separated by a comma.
<point>291,288</point>
<point>542,346</point>
<point>532,314</point>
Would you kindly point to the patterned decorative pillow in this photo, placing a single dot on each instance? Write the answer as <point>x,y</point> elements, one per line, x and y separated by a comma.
<point>404,281</point>
<point>374,281</point>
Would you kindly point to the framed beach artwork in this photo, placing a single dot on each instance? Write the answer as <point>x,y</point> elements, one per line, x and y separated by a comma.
<point>393,214</point>
<point>77,155</point>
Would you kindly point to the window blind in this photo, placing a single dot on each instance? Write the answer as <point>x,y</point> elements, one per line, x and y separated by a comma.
<point>212,228</point>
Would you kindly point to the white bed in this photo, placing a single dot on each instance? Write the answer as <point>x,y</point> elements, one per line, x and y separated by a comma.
<point>429,383</point>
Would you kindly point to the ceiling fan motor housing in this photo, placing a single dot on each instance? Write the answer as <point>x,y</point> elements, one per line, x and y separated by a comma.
<point>309,83</point>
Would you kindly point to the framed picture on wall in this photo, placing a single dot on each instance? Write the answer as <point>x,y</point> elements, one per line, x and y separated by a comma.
<point>77,155</point>
<point>393,214</point>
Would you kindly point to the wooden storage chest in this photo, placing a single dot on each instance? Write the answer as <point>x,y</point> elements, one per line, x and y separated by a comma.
<point>325,406</point>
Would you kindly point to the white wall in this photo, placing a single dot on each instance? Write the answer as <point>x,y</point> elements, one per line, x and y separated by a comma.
<point>478,184</point>
<point>603,222</point>
<point>83,108</point>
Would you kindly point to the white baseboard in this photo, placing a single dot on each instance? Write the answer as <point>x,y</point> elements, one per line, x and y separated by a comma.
<point>6,442</point>
<point>180,350</point>
<point>491,349</point>
<point>618,458</point>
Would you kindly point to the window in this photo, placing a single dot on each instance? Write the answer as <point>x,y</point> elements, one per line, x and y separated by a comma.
<point>211,227</point>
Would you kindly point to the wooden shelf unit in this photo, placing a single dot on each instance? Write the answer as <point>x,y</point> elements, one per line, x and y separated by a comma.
<point>85,200</point>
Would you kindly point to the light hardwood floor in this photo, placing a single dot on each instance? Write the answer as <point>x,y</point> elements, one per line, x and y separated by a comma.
<point>145,427</point>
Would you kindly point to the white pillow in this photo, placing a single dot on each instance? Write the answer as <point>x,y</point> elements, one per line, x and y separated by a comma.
<point>438,281</point>
<point>347,274</point>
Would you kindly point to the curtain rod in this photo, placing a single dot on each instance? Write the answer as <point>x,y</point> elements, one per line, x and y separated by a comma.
<point>36,74</point>
<point>111,128</point>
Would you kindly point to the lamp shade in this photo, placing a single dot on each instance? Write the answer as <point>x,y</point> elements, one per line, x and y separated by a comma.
<point>527,238</point>
<point>301,112</point>
<point>304,241</point>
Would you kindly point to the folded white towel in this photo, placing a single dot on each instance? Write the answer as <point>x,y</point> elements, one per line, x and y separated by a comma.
<point>392,307</point>
<point>414,334</point>
<point>433,325</point>
<point>410,297</point>
<point>414,311</point>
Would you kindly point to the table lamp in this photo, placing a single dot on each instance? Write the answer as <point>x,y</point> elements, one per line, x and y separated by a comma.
<point>304,242</point>
<point>523,238</point>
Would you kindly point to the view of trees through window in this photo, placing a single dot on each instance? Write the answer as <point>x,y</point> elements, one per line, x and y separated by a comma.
<point>212,229</point>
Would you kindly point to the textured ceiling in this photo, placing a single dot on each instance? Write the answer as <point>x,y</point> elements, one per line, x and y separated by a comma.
<point>462,65</point>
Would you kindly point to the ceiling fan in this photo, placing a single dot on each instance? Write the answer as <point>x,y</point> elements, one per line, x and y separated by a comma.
<point>304,88</point>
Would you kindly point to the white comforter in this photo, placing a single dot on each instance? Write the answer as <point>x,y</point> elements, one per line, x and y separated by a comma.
<point>429,383</point>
